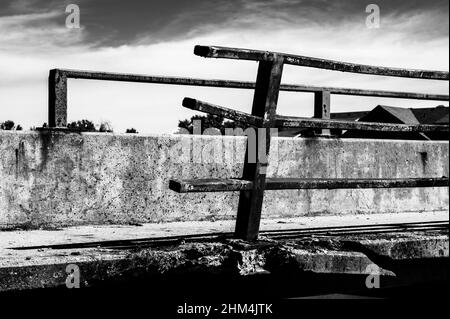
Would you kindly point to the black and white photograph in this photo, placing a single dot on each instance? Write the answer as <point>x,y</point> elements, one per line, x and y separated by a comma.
<point>224,158</point>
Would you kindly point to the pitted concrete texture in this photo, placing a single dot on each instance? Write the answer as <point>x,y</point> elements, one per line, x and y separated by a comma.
<point>53,179</point>
<point>38,258</point>
<point>46,267</point>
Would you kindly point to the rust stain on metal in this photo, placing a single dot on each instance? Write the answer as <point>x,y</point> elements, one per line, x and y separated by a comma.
<point>289,121</point>
<point>232,185</point>
<point>257,55</point>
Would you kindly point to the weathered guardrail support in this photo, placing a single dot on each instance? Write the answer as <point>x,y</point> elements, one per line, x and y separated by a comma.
<point>264,106</point>
<point>57,99</point>
<point>253,182</point>
<point>322,102</point>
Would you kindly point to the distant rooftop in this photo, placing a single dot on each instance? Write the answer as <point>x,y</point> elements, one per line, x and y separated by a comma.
<point>443,120</point>
<point>401,114</point>
<point>386,114</point>
<point>430,115</point>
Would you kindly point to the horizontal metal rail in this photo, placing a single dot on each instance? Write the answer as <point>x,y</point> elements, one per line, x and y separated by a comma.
<point>298,122</point>
<point>232,184</point>
<point>256,55</point>
<point>273,234</point>
<point>57,86</point>
<point>124,77</point>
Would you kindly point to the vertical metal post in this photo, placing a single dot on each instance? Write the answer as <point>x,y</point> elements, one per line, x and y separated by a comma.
<point>264,105</point>
<point>57,99</point>
<point>322,109</point>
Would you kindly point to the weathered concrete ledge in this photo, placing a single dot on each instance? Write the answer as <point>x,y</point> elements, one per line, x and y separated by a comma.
<point>56,179</point>
<point>38,258</point>
<point>234,258</point>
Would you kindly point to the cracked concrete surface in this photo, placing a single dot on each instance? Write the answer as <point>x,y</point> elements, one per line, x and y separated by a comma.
<point>55,179</point>
<point>46,267</point>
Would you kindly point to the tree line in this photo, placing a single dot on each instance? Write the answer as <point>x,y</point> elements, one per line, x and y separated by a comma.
<point>10,126</point>
<point>80,126</point>
<point>207,121</point>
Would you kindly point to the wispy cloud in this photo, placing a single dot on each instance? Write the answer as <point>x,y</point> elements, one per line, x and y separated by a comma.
<point>37,32</point>
<point>156,37</point>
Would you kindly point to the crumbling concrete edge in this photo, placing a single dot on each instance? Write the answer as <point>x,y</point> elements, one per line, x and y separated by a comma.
<point>234,258</point>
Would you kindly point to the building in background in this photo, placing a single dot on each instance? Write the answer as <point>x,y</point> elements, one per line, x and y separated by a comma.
<point>399,115</point>
<point>386,114</point>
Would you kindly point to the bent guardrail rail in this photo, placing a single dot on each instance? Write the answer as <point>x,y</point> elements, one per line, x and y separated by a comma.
<point>263,115</point>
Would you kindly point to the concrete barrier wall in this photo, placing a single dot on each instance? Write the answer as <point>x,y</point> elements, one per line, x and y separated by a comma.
<point>58,179</point>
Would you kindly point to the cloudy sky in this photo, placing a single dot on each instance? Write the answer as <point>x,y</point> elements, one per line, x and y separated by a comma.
<point>157,37</point>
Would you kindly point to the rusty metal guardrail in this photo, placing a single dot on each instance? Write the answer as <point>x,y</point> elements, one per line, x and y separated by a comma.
<point>266,90</point>
<point>58,78</point>
<point>268,85</point>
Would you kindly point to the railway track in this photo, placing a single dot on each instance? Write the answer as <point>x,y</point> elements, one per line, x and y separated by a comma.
<point>270,234</point>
